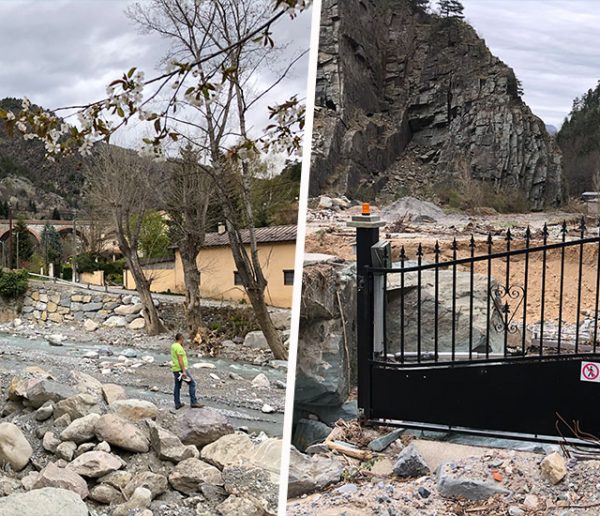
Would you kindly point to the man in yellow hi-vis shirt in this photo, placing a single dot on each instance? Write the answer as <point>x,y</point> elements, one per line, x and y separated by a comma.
<point>179,366</point>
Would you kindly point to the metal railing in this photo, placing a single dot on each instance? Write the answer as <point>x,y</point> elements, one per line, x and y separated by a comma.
<point>491,305</point>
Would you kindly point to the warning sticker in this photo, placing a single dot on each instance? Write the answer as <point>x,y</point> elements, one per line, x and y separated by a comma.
<point>590,372</point>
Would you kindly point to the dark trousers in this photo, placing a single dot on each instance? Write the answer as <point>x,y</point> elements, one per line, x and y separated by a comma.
<point>177,390</point>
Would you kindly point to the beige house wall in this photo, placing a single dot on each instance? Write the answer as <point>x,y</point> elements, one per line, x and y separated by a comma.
<point>92,278</point>
<point>161,280</point>
<point>217,269</point>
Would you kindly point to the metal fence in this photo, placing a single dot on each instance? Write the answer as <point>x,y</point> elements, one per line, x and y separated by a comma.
<point>512,328</point>
<point>492,335</point>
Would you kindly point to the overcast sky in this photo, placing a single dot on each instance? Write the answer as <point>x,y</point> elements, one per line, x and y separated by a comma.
<point>553,46</point>
<point>65,52</point>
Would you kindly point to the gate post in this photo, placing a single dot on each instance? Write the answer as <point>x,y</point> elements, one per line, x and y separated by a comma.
<point>367,235</point>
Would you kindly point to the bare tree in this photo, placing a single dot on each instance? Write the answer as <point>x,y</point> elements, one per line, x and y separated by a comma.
<point>120,186</point>
<point>186,197</point>
<point>197,30</point>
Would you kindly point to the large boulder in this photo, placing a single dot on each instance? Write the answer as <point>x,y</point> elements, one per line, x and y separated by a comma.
<point>326,332</point>
<point>117,431</point>
<point>81,430</point>
<point>168,446</point>
<point>444,308</point>
<point>77,406</point>
<point>229,450</point>
<point>48,390</point>
<point>311,473</point>
<point>86,383</point>
<point>44,502</point>
<point>94,464</point>
<point>15,449</point>
<point>202,426</point>
<point>134,409</point>
<point>53,476</point>
<point>190,474</point>
<point>113,392</point>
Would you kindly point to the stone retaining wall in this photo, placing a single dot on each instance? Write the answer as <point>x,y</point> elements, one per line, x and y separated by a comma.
<point>62,303</point>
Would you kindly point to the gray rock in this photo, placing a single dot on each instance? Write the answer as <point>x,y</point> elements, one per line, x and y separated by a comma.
<point>50,442</point>
<point>95,464</point>
<point>39,501</point>
<point>308,432</point>
<point>65,451</point>
<point>48,390</point>
<point>190,474</point>
<point>168,446</point>
<point>81,430</point>
<point>78,406</point>
<point>314,473</point>
<point>202,426</point>
<point>44,412</point>
<point>119,432</point>
<point>346,489</point>
<point>53,476</point>
<point>106,494</point>
<point>15,449</point>
<point>256,340</point>
<point>410,463</point>
<point>381,443</point>
<point>91,307</point>
<point>324,374</point>
<point>450,485</point>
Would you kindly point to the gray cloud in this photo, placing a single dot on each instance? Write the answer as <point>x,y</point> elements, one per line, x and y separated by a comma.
<point>551,44</point>
<point>64,52</point>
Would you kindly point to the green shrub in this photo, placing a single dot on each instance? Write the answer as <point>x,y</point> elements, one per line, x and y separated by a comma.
<point>67,272</point>
<point>13,284</point>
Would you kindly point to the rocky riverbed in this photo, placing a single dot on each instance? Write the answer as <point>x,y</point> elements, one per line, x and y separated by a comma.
<point>412,476</point>
<point>88,424</point>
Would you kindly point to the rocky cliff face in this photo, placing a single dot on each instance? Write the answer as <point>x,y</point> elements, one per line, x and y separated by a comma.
<point>406,100</point>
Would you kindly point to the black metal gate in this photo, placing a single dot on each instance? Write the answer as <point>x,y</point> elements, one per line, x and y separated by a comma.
<point>497,335</point>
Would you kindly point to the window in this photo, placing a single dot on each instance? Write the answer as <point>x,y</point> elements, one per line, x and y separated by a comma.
<point>237,279</point>
<point>288,277</point>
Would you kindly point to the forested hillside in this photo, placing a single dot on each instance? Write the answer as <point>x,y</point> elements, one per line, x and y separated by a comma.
<point>579,140</point>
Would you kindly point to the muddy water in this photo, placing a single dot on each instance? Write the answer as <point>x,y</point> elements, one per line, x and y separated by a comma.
<point>235,399</point>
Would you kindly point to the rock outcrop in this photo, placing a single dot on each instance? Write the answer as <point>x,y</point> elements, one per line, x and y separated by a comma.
<point>326,336</point>
<point>407,100</point>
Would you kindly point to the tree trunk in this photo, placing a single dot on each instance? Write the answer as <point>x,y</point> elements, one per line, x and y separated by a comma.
<point>193,308</point>
<point>257,300</point>
<point>154,325</point>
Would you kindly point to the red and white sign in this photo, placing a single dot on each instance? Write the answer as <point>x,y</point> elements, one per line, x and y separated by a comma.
<point>590,372</point>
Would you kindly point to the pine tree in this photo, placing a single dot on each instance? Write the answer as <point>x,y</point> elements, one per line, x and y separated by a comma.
<point>51,246</point>
<point>451,8</point>
<point>24,240</point>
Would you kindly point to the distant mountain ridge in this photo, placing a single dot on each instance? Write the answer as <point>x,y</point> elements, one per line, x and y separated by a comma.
<point>34,184</point>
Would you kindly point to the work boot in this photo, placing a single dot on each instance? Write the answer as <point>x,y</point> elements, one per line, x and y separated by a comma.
<point>197,405</point>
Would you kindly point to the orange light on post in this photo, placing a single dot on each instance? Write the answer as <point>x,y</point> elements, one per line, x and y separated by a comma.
<point>366,209</point>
